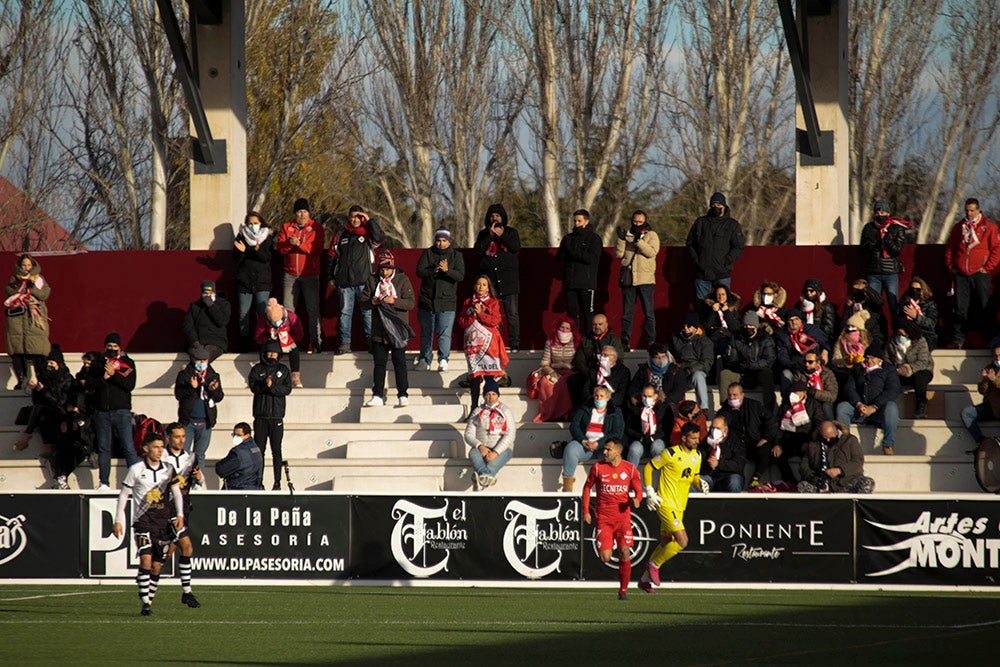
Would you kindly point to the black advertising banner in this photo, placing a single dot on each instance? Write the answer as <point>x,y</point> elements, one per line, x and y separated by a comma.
<point>465,537</point>
<point>747,539</point>
<point>40,536</point>
<point>942,542</point>
<point>240,536</point>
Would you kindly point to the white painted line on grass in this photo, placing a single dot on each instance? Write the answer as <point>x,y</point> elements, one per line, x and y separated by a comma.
<point>54,595</point>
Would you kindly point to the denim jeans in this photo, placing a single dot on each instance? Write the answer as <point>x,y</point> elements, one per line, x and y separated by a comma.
<point>724,482</point>
<point>480,465</point>
<point>198,434</point>
<point>432,323</point>
<point>890,283</point>
<point>574,453</point>
<point>308,288</point>
<point>113,425</point>
<point>636,450</point>
<point>348,297</point>
<point>699,382</point>
<point>702,288</point>
<point>972,415</point>
<point>248,299</point>
<point>645,293</point>
<point>887,418</point>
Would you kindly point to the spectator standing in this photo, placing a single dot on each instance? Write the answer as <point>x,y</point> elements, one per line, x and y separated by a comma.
<point>554,400</point>
<point>723,457</point>
<point>490,432</point>
<point>834,463</point>
<point>749,360</point>
<point>580,254</point>
<point>27,318</point>
<point>270,383</point>
<point>637,247</point>
<point>350,264</point>
<point>647,418</point>
<point>871,395</point>
<point>252,251</point>
<point>882,242</point>
<point>918,307</point>
<point>283,326</point>
<point>907,351</point>
<point>301,241</point>
<point>663,372</point>
<point>972,254</point>
<point>440,269</point>
<point>714,244</point>
<point>816,309</point>
<point>206,321</point>
<point>989,409</point>
<point>485,352</point>
<point>497,246</point>
<point>243,467</point>
<point>695,353</point>
<point>112,383</point>
<point>198,390</point>
<point>592,425</point>
<point>390,296</point>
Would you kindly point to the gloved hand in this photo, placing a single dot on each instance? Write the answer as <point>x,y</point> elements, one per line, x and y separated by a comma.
<point>704,486</point>
<point>653,501</point>
<point>621,231</point>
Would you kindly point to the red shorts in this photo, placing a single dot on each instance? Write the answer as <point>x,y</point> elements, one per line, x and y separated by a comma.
<point>609,532</point>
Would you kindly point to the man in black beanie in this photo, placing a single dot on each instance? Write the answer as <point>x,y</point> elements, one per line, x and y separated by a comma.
<point>112,383</point>
<point>206,321</point>
<point>301,242</point>
<point>714,244</point>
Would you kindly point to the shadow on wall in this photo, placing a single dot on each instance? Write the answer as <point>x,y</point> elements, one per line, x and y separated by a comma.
<point>160,330</point>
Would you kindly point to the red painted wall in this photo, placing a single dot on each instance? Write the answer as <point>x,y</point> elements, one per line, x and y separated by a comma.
<point>143,295</point>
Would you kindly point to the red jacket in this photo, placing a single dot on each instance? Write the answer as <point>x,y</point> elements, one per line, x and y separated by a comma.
<point>491,316</point>
<point>302,259</point>
<point>984,255</point>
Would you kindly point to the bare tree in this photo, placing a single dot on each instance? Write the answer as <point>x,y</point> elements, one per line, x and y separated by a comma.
<point>969,92</point>
<point>731,98</point>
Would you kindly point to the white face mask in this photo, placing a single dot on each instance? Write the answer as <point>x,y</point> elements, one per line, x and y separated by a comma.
<point>254,228</point>
<point>794,398</point>
<point>564,336</point>
<point>735,402</point>
<point>768,299</point>
<point>649,401</point>
<point>237,439</point>
<point>715,436</point>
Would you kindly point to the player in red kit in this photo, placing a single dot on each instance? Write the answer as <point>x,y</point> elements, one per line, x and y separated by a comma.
<point>614,478</point>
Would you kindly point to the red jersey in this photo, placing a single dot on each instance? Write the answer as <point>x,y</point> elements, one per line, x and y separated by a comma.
<point>613,484</point>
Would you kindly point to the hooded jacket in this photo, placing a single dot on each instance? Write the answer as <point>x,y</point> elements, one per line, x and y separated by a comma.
<point>714,244</point>
<point>498,255</point>
<point>269,401</point>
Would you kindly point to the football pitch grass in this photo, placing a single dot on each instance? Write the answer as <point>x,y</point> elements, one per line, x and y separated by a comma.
<point>100,625</point>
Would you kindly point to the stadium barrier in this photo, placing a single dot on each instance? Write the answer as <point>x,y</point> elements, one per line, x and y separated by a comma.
<point>475,538</point>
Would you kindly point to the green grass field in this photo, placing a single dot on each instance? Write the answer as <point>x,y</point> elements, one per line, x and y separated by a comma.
<point>100,625</point>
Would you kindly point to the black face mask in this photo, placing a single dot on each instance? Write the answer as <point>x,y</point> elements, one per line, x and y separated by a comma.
<point>750,331</point>
<point>859,296</point>
<point>880,219</point>
<point>112,354</point>
<point>713,212</point>
<point>830,441</point>
<point>270,361</point>
<point>916,292</point>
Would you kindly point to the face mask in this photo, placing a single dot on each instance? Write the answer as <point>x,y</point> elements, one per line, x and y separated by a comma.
<point>768,299</point>
<point>649,401</point>
<point>201,366</point>
<point>830,441</point>
<point>880,219</point>
<point>903,339</point>
<point>859,296</point>
<point>750,331</point>
<point>854,335</point>
<point>735,402</point>
<point>600,403</point>
<point>794,398</point>
<point>111,354</point>
<point>564,336</point>
<point>916,292</point>
<point>237,439</point>
<point>661,363</point>
<point>270,361</point>
<point>716,436</point>
<point>208,297</point>
<point>278,323</point>
<point>254,229</point>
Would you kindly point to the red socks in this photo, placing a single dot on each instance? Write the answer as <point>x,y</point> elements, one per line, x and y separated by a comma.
<point>624,574</point>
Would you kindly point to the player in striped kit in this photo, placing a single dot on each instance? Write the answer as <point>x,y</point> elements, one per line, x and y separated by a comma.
<point>614,478</point>
<point>188,471</point>
<point>149,482</point>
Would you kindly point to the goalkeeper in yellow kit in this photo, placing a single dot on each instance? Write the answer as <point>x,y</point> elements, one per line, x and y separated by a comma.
<point>678,468</point>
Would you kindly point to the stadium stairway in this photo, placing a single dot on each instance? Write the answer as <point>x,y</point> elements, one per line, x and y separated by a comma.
<point>332,442</point>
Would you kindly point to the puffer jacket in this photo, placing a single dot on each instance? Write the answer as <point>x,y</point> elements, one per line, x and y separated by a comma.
<point>917,356</point>
<point>880,254</point>
<point>750,354</point>
<point>714,244</point>
<point>477,429</point>
<point>28,327</point>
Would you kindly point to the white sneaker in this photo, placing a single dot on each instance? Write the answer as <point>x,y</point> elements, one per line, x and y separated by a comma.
<point>104,487</point>
<point>475,481</point>
<point>403,401</point>
<point>490,480</point>
<point>374,401</point>
<point>421,365</point>
<point>442,365</point>
<point>61,483</point>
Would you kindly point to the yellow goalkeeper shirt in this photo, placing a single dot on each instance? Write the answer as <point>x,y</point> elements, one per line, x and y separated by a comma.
<point>678,471</point>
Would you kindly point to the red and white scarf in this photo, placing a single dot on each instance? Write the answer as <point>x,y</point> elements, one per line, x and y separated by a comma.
<point>795,416</point>
<point>493,419</point>
<point>121,368</point>
<point>801,341</point>
<point>282,333</point>
<point>969,235</point>
<point>595,429</point>
<point>385,288</point>
<point>814,379</point>
<point>770,313</point>
<point>603,372</point>
<point>913,303</point>
<point>648,419</point>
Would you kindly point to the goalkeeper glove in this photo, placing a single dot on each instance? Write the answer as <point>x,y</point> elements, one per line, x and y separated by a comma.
<point>704,486</point>
<point>653,501</point>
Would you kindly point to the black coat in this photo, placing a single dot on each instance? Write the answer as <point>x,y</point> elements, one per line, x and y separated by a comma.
<point>503,268</point>
<point>186,395</point>
<point>750,354</point>
<point>247,463</point>
<point>752,422</point>
<point>350,256</point>
<point>788,357</point>
<point>253,266</point>
<point>732,459</point>
<point>585,359</point>
<point>633,424</point>
<point>580,253</point>
<point>693,354</point>
<point>269,402</point>
<point>714,245</point>
<point>873,243</point>
<point>439,290</point>
<point>927,321</point>
<point>207,324</point>
<point>876,388</point>
<point>115,393</point>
